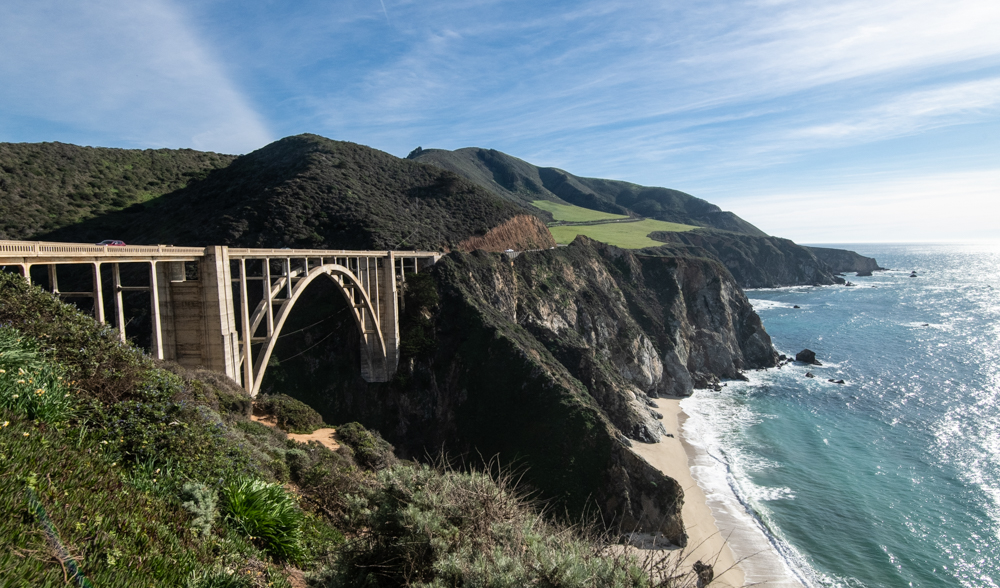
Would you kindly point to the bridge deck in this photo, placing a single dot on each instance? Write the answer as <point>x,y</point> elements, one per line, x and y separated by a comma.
<point>19,252</point>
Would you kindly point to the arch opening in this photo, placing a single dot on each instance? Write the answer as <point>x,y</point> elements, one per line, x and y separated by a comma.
<point>374,360</point>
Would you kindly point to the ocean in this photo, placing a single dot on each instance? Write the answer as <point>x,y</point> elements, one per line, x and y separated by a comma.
<point>892,478</point>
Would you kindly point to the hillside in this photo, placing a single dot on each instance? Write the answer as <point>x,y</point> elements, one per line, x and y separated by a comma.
<point>47,186</point>
<point>311,192</point>
<point>118,472</point>
<point>522,182</point>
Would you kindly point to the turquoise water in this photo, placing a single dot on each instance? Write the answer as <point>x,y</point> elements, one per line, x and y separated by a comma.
<point>892,479</point>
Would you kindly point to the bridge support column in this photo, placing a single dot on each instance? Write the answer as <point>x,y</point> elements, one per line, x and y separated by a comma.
<point>219,349</point>
<point>98,295</point>
<point>53,279</point>
<point>156,337</point>
<point>116,280</point>
<point>389,312</point>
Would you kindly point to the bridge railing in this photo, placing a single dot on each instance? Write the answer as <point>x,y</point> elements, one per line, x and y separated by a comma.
<point>50,249</point>
<point>244,253</point>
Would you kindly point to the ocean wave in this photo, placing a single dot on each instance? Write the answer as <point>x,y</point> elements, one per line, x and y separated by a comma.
<point>761,305</point>
<point>721,467</point>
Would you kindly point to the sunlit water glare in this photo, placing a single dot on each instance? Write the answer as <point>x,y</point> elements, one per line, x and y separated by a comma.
<point>892,479</point>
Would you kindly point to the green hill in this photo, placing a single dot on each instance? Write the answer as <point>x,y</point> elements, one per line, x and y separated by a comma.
<point>522,182</point>
<point>47,186</point>
<point>308,191</point>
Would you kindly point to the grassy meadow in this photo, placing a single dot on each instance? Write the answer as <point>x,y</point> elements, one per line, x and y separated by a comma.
<point>627,235</point>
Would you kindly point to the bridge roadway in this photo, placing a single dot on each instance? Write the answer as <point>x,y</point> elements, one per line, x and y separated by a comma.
<point>197,293</point>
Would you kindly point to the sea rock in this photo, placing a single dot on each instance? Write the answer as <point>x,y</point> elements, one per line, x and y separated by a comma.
<point>810,375</point>
<point>806,356</point>
<point>704,572</point>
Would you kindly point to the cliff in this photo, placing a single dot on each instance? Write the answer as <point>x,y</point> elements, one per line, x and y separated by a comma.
<point>755,262</point>
<point>546,361</point>
<point>842,260</point>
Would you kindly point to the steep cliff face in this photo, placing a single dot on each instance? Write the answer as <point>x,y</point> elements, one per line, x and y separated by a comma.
<point>755,262</point>
<point>546,361</point>
<point>842,260</point>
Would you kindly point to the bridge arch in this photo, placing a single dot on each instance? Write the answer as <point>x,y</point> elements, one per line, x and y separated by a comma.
<point>373,349</point>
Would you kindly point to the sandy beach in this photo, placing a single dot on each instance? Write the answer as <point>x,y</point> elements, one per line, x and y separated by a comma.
<point>705,542</point>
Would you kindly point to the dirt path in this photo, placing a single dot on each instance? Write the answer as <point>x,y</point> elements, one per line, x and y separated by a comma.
<point>324,435</point>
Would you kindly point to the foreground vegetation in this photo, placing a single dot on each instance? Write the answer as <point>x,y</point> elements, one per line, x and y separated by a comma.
<point>116,471</point>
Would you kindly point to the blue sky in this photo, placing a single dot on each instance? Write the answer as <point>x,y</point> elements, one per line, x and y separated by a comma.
<point>832,121</point>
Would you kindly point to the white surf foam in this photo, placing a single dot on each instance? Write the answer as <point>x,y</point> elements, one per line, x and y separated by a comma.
<point>726,491</point>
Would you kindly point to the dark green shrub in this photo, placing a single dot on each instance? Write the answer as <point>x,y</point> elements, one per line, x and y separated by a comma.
<point>326,478</point>
<point>369,449</point>
<point>267,514</point>
<point>289,414</point>
<point>422,527</point>
<point>212,389</point>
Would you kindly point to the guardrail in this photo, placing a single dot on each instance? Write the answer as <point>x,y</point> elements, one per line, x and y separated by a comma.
<point>51,249</point>
<point>238,252</point>
<point>14,250</point>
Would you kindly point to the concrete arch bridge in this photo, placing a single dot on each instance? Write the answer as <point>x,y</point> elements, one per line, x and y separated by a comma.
<point>223,308</point>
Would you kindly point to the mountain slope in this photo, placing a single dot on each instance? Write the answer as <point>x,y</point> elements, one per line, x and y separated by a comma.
<point>308,191</point>
<point>47,186</point>
<point>522,182</point>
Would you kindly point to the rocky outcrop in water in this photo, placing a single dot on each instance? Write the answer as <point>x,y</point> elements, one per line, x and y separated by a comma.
<point>842,260</point>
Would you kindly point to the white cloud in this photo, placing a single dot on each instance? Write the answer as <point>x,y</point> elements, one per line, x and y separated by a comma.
<point>957,206</point>
<point>961,102</point>
<point>129,72</point>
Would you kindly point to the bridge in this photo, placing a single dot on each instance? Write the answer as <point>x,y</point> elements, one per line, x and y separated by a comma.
<point>223,308</point>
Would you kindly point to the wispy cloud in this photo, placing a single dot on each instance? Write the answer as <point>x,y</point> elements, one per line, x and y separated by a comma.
<point>608,78</point>
<point>962,102</point>
<point>129,73</point>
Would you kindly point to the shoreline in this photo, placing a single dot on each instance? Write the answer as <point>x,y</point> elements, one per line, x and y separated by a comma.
<point>674,457</point>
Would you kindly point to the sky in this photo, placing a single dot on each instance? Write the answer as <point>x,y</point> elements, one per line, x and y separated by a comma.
<point>820,121</point>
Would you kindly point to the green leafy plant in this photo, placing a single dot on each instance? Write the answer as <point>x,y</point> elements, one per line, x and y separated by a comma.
<point>30,383</point>
<point>267,514</point>
<point>199,500</point>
